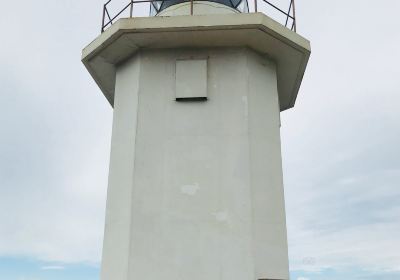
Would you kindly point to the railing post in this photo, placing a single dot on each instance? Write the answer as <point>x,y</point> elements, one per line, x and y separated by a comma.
<point>104,17</point>
<point>191,7</point>
<point>294,16</point>
<point>255,6</point>
<point>288,13</point>
<point>131,11</point>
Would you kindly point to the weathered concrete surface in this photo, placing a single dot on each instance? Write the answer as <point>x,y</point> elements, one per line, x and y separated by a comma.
<point>195,188</point>
<point>256,31</point>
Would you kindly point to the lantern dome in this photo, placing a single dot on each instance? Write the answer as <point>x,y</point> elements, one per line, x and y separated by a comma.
<point>156,7</point>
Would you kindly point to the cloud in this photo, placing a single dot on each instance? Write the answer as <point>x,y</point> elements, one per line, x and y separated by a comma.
<point>340,149</point>
<point>54,143</point>
<point>52,267</point>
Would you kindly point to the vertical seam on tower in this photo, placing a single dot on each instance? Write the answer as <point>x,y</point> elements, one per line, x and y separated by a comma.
<point>134,164</point>
<point>253,250</point>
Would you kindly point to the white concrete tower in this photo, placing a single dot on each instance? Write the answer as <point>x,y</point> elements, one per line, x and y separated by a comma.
<point>195,185</point>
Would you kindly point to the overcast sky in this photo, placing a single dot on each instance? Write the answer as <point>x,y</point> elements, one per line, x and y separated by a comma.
<point>340,143</point>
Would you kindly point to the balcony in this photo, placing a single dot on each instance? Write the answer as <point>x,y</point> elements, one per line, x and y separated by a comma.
<point>112,10</point>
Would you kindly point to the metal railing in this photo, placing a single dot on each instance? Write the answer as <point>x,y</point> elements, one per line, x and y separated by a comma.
<point>108,20</point>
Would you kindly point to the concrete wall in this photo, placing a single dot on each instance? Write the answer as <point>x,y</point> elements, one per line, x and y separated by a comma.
<point>195,189</point>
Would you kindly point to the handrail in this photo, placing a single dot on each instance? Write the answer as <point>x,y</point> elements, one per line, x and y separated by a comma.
<point>290,15</point>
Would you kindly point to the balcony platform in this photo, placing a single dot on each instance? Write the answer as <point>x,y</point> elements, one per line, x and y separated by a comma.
<point>257,31</point>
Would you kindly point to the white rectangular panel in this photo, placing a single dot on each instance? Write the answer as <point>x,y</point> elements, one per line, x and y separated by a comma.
<point>191,80</point>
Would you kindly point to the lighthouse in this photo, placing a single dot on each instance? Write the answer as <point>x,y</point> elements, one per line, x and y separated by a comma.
<point>195,182</point>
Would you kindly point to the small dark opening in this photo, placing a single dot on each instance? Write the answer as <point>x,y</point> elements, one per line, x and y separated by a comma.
<point>191,99</point>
